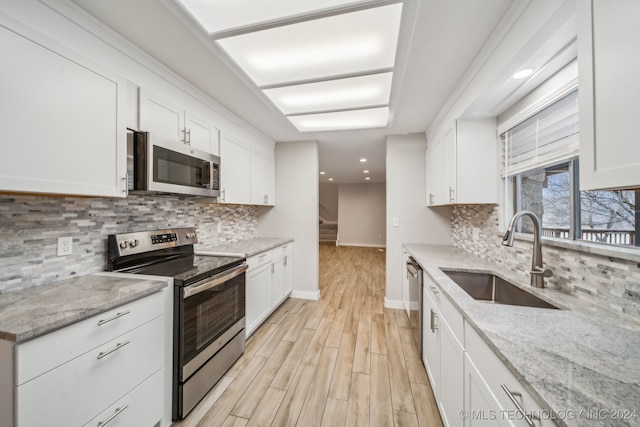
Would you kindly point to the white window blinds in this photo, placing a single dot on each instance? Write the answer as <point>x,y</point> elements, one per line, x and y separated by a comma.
<point>549,137</point>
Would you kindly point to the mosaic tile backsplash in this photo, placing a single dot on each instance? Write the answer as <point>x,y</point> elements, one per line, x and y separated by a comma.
<point>30,227</point>
<point>599,279</point>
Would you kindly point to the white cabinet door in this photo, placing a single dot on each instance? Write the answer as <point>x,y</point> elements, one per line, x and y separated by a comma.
<point>431,342</point>
<point>258,296</point>
<point>262,180</point>
<point>482,406</point>
<point>163,120</point>
<point>609,90</point>
<point>462,165</point>
<point>451,399</point>
<point>202,134</point>
<point>277,282</point>
<point>62,119</point>
<point>235,171</point>
<point>288,273</point>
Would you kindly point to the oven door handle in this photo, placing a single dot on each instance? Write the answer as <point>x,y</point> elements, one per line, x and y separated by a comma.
<point>216,280</point>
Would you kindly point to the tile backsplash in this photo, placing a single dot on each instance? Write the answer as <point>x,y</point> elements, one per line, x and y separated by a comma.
<point>30,227</point>
<point>602,280</point>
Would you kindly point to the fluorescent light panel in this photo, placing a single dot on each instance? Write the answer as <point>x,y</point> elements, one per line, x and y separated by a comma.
<point>341,94</point>
<point>216,16</point>
<point>350,43</point>
<point>343,120</point>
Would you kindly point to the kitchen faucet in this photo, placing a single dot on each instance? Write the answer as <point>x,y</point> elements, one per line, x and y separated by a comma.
<point>538,272</point>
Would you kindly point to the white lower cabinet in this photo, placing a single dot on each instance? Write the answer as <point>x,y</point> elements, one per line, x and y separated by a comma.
<point>269,283</point>
<point>443,353</point>
<point>471,385</point>
<point>93,381</point>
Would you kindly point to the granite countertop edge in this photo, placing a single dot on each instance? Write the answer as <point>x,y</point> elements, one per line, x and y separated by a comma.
<point>557,355</point>
<point>69,301</point>
<point>242,248</point>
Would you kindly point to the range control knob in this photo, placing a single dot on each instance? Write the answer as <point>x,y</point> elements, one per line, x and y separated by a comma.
<point>134,243</point>
<point>191,235</point>
<point>124,244</point>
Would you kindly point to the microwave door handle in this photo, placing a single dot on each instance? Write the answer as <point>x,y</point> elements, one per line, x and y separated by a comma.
<point>216,280</point>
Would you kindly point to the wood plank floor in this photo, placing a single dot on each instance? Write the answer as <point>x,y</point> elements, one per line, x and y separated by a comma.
<point>343,360</point>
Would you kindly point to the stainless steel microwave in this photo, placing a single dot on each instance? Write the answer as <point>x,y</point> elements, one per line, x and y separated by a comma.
<point>161,167</point>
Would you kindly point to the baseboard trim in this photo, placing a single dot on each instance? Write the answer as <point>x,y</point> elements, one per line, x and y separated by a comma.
<point>306,295</point>
<point>363,245</point>
<point>393,303</point>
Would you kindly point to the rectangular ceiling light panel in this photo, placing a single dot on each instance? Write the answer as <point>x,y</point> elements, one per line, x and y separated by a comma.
<point>341,94</point>
<point>343,120</point>
<point>350,43</point>
<point>217,16</point>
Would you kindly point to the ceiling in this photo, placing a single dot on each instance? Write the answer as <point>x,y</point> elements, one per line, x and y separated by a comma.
<point>437,44</point>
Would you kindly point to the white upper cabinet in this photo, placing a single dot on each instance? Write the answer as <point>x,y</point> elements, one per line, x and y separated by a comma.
<point>202,134</point>
<point>168,122</point>
<point>62,119</point>
<point>235,170</point>
<point>262,179</point>
<point>462,165</point>
<point>608,60</point>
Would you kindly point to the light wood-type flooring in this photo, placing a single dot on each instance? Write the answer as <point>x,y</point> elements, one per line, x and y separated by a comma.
<point>343,360</point>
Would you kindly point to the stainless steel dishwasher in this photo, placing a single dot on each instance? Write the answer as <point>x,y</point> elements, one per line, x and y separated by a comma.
<point>414,271</point>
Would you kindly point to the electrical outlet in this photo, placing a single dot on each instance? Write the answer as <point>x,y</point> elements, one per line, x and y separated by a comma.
<point>64,245</point>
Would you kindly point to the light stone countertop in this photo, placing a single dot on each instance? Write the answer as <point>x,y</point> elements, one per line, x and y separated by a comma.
<point>31,312</point>
<point>582,357</point>
<point>242,248</point>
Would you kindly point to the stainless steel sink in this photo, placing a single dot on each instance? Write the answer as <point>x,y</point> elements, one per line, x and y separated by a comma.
<point>491,288</point>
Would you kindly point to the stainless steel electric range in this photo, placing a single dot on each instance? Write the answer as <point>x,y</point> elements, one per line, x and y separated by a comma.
<point>208,308</point>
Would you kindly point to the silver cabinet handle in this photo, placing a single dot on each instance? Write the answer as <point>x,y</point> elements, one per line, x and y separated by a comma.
<point>512,395</point>
<point>431,201</point>
<point>284,261</point>
<point>108,420</point>
<point>188,136</point>
<point>126,184</point>
<point>108,352</point>
<point>222,193</point>
<point>434,290</point>
<point>452,194</point>
<point>116,316</point>
<point>434,315</point>
<point>273,267</point>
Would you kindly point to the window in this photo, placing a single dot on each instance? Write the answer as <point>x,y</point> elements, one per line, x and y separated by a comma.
<point>541,166</point>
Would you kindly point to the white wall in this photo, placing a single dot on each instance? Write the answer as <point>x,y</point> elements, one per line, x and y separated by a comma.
<point>406,200</point>
<point>296,212</point>
<point>361,215</point>
<point>329,202</point>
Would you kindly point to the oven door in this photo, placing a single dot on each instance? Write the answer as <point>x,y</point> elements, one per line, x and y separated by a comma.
<point>213,312</point>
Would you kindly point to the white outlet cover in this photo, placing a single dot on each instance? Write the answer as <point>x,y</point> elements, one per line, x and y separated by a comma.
<point>65,246</point>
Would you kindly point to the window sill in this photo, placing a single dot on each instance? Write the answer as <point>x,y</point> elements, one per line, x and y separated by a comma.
<point>620,252</point>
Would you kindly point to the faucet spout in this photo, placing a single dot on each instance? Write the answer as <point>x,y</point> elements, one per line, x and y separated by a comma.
<point>538,272</point>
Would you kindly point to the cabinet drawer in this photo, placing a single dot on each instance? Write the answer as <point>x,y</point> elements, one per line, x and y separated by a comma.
<point>140,407</point>
<point>73,393</point>
<point>446,307</point>
<point>495,374</point>
<point>260,259</point>
<point>44,353</point>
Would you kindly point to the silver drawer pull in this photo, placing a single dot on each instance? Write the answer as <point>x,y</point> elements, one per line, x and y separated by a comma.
<point>434,316</point>
<point>434,290</point>
<point>512,395</point>
<point>108,420</point>
<point>122,313</point>
<point>108,352</point>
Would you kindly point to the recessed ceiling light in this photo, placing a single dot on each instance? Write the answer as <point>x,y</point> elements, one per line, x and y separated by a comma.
<point>363,160</point>
<point>368,178</point>
<point>330,179</point>
<point>339,45</point>
<point>369,118</point>
<point>526,72</point>
<point>321,172</point>
<point>365,171</point>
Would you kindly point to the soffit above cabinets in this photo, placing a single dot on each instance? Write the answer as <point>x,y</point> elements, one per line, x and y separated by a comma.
<point>325,69</point>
